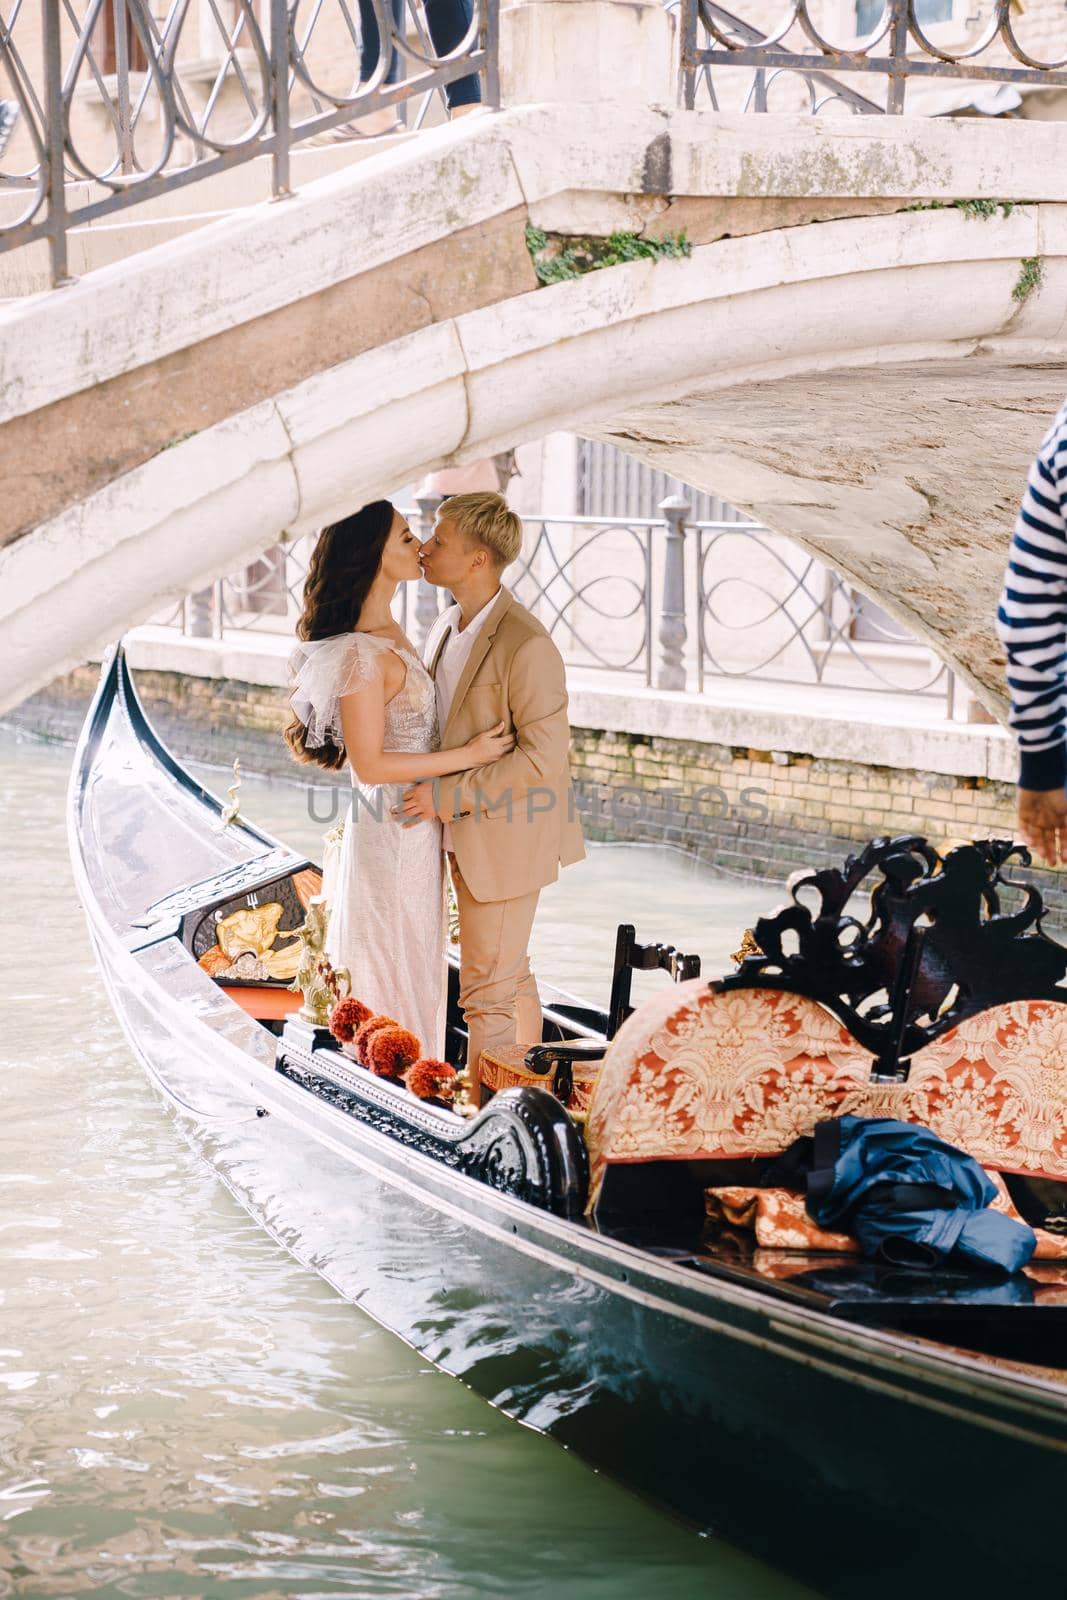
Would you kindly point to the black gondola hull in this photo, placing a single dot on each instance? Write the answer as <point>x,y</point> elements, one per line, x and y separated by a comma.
<point>863,1459</point>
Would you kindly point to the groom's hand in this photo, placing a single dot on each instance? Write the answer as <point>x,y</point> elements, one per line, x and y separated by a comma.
<point>419,805</point>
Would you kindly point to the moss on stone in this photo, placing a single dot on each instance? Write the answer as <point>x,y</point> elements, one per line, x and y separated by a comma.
<point>1031,273</point>
<point>982,209</point>
<point>559,257</point>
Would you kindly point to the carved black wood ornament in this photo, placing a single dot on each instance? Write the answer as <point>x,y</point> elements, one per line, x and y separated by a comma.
<point>930,948</point>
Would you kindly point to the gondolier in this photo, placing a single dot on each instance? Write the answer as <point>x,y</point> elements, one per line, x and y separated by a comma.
<point>1032,623</point>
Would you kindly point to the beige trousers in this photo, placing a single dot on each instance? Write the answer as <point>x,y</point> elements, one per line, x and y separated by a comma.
<point>497,990</point>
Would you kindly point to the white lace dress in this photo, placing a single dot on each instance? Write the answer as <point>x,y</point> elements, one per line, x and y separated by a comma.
<point>387,917</point>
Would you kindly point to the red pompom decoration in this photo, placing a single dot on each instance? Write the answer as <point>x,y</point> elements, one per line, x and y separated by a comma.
<point>389,1050</point>
<point>362,1036</point>
<point>346,1016</point>
<point>428,1079</point>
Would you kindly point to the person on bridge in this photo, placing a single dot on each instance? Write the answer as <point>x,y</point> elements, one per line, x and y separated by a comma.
<point>447,22</point>
<point>1032,624</point>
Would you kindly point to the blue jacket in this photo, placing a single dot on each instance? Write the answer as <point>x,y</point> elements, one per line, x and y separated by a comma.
<point>908,1197</point>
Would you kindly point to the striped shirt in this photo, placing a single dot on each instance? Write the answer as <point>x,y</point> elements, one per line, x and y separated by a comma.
<point>1032,616</point>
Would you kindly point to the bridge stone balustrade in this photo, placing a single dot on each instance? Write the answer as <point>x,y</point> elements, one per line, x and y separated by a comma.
<point>849,355</point>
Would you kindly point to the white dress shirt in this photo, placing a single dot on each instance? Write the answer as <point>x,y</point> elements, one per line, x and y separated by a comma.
<point>451,662</point>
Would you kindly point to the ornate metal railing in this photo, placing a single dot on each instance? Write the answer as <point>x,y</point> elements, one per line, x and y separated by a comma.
<point>898,42</point>
<point>134,98</point>
<point>589,580</point>
<point>766,609</point>
<point>108,103</point>
<point>674,602</point>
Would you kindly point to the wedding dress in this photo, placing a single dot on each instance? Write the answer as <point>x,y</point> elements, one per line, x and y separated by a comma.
<point>387,914</point>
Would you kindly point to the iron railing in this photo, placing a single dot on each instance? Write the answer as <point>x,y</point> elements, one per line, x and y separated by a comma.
<point>676,603</point>
<point>792,619</point>
<point>109,103</point>
<point>136,98</point>
<point>904,41</point>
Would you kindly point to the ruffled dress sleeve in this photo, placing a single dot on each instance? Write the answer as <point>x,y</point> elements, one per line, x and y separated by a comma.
<point>323,671</point>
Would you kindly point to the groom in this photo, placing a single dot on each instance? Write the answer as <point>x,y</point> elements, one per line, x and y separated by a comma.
<point>509,826</point>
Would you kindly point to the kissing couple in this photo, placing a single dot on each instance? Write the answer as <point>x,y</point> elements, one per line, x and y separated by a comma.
<point>463,757</point>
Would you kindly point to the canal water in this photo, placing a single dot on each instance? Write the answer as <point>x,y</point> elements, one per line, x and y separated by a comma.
<point>185,1410</point>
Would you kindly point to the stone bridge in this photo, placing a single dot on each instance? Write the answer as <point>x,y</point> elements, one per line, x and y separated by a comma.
<point>862,347</point>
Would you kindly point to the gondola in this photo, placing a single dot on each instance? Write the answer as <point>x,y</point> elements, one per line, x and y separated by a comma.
<point>867,1429</point>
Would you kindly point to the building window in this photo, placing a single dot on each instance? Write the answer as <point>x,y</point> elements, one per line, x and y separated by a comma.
<point>869,13</point>
<point>105,40</point>
<point>616,486</point>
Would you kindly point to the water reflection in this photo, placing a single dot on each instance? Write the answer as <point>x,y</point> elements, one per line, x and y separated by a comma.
<point>186,1410</point>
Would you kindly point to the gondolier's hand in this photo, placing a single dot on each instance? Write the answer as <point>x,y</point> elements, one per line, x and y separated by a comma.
<point>419,805</point>
<point>1043,823</point>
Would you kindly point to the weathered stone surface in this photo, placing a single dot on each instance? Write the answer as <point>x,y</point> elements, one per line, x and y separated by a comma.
<point>116,425</point>
<point>909,483</point>
<point>705,219</point>
<point>866,384</point>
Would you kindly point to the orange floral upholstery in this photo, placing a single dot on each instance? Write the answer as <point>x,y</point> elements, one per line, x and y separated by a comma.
<point>997,1087</point>
<point>505,1069</point>
<point>779,1220</point>
<point>696,1074</point>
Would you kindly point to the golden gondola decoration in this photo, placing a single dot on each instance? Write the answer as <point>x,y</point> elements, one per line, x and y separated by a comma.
<point>317,979</point>
<point>748,947</point>
<point>245,946</point>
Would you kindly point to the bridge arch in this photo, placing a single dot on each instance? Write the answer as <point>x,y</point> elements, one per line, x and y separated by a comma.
<point>870,384</point>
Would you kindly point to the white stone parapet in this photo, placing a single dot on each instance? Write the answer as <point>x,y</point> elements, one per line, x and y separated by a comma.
<point>575,52</point>
<point>884,730</point>
<point>844,354</point>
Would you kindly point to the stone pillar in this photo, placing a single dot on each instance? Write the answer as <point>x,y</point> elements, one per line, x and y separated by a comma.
<point>672,628</point>
<point>200,616</point>
<point>577,51</point>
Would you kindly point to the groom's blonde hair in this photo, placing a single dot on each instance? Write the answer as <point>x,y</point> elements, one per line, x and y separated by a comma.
<point>486,519</point>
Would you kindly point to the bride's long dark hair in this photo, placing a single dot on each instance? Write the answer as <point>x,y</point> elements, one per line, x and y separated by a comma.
<point>343,566</point>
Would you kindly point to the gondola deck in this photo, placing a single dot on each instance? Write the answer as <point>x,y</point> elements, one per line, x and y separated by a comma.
<point>813,1412</point>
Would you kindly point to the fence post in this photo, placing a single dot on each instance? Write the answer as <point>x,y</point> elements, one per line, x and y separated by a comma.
<point>489,41</point>
<point>898,49</point>
<point>672,626</point>
<point>55,143</point>
<point>279,94</point>
<point>425,594</point>
<point>687,45</point>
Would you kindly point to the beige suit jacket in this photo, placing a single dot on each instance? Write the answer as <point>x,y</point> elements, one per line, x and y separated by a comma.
<point>514,822</point>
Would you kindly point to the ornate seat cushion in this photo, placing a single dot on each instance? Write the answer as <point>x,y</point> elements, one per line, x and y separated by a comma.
<point>780,1221</point>
<point>505,1069</point>
<point>996,1085</point>
<point>700,1074</point>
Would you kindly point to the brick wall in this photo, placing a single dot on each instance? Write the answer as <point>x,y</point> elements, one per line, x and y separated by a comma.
<point>765,813</point>
<point>757,812</point>
<point>761,811</point>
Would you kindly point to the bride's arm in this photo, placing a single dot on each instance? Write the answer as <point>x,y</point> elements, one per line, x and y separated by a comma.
<point>363,726</point>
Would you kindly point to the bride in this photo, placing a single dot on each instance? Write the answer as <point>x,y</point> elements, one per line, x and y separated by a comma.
<point>362,696</point>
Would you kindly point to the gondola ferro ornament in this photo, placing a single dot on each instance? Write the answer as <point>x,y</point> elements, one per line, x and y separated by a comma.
<point>232,811</point>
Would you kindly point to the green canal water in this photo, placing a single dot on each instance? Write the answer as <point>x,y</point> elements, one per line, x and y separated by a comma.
<point>184,1410</point>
